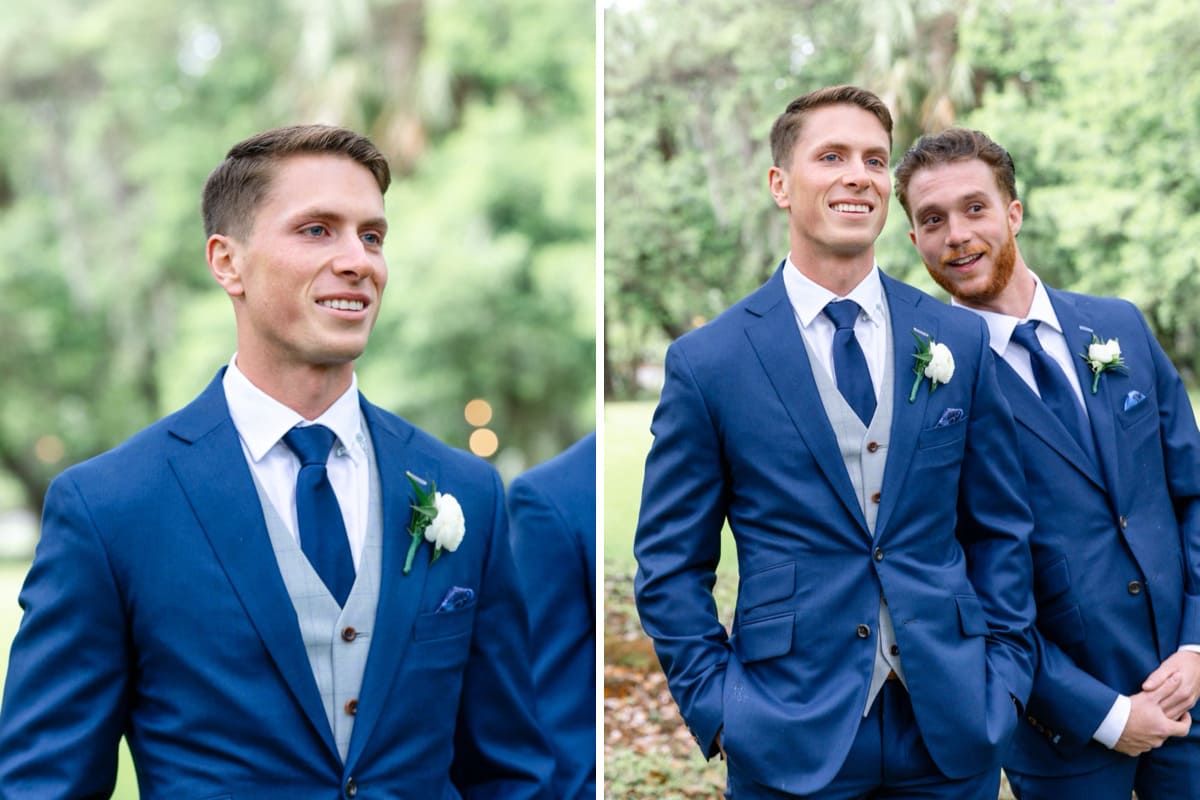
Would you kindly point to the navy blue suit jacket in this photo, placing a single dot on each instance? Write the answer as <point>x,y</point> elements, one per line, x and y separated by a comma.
<point>154,609</point>
<point>553,514</point>
<point>740,434</point>
<point>1116,545</point>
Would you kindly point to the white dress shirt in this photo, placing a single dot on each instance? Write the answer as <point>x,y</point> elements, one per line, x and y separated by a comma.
<point>809,299</point>
<point>261,422</point>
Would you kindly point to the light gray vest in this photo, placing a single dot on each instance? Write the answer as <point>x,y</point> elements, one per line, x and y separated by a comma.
<point>336,640</point>
<point>865,467</point>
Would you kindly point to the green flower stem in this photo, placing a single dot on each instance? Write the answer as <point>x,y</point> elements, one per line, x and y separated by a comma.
<point>1096,379</point>
<point>417,536</point>
<point>912,396</point>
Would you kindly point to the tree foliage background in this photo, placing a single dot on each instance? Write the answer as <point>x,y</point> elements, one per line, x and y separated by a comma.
<point>1097,100</point>
<point>112,113</point>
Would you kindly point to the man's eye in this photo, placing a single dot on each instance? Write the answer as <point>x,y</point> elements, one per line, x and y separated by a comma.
<point>314,230</point>
<point>372,238</point>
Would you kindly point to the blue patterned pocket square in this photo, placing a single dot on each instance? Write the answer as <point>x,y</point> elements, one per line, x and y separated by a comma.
<point>1133,398</point>
<point>458,597</point>
<point>949,417</point>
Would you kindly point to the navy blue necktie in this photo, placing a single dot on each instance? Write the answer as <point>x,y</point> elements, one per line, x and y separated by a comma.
<point>322,530</point>
<point>1053,386</point>
<point>849,363</point>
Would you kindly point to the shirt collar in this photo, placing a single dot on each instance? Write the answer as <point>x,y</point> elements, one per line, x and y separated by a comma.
<point>1001,326</point>
<point>261,420</point>
<point>808,298</point>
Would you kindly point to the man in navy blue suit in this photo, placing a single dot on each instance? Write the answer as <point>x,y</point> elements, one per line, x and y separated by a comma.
<point>553,519</point>
<point>1111,454</point>
<point>280,591</point>
<point>849,430</point>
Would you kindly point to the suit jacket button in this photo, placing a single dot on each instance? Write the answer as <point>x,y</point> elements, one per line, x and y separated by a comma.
<point>875,498</point>
<point>1135,587</point>
<point>351,707</point>
<point>1124,522</point>
<point>872,447</point>
<point>351,788</point>
<point>863,631</point>
<point>879,554</point>
<point>349,634</point>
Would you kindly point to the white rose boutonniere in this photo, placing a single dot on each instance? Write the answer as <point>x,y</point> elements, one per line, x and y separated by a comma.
<point>1102,356</point>
<point>933,361</point>
<point>447,528</point>
<point>436,517</point>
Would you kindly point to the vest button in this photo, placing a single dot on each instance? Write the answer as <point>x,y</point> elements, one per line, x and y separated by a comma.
<point>863,631</point>
<point>872,447</point>
<point>876,497</point>
<point>349,634</point>
<point>351,707</point>
<point>1135,587</point>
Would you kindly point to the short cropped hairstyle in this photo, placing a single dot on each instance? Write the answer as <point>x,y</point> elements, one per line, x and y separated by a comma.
<point>786,129</point>
<point>236,188</point>
<point>953,145</point>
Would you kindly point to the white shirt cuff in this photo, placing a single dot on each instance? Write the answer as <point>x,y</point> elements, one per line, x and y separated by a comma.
<point>1191,648</point>
<point>1110,730</point>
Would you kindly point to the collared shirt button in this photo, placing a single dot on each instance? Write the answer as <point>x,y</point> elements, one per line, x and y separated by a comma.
<point>351,707</point>
<point>879,554</point>
<point>1135,587</point>
<point>349,634</point>
<point>872,447</point>
<point>875,498</point>
<point>863,631</point>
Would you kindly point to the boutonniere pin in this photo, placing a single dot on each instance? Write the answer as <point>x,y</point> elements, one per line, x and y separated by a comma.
<point>933,360</point>
<point>1103,356</point>
<point>437,518</point>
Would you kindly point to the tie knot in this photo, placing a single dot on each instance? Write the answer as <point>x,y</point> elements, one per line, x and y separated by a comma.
<point>843,313</point>
<point>311,444</point>
<point>1025,334</point>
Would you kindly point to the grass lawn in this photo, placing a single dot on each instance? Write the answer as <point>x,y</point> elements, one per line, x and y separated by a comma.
<point>11,576</point>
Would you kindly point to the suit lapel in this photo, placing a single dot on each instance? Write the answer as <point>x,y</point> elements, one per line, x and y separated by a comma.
<point>906,417</point>
<point>216,479</point>
<point>1100,406</point>
<point>777,341</point>
<point>399,594</point>
<point>1030,412</point>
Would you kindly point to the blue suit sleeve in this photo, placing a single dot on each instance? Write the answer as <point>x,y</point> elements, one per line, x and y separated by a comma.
<point>678,547</point>
<point>1181,452</point>
<point>995,524</point>
<point>555,576</point>
<point>499,750</point>
<point>65,697</point>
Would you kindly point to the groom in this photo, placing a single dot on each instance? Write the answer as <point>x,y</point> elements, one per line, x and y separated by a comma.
<point>881,639</point>
<point>228,588</point>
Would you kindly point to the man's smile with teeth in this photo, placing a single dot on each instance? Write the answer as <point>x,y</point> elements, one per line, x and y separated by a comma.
<point>965,260</point>
<point>343,305</point>
<point>861,208</point>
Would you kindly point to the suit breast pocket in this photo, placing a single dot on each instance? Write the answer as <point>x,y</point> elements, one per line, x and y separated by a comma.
<point>941,446</point>
<point>442,640</point>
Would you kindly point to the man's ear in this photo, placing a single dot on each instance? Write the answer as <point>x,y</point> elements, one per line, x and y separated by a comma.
<point>777,181</point>
<point>1016,215</point>
<point>223,263</point>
